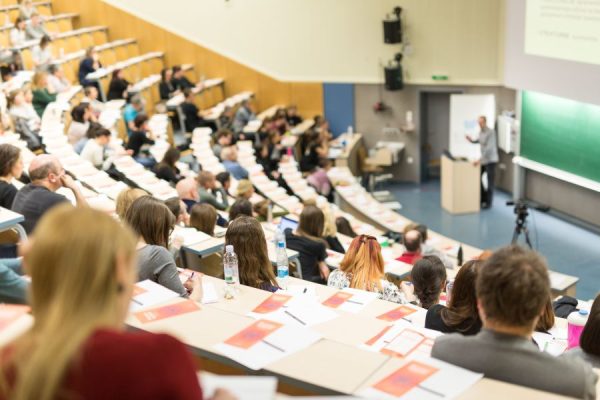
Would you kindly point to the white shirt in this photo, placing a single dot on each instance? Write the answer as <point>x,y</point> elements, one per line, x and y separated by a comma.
<point>59,85</point>
<point>94,153</point>
<point>27,112</point>
<point>77,130</point>
<point>17,37</point>
<point>41,57</point>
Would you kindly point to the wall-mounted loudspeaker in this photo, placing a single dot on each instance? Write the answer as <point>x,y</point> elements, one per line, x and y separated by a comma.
<point>393,78</point>
<point>392,31</point>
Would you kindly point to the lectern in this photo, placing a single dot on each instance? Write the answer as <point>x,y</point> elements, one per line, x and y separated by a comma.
<point>461,186</point>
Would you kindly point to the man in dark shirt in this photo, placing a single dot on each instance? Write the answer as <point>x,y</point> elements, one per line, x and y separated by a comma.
<point>138,139</point>
<point>179,81</point>
<point>47,176</point>
<point>191,113</point>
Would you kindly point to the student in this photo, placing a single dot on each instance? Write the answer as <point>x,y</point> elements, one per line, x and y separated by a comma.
<point>460,315</point>
<point>26,10</point>
<point>41,92</point>
<point>412,244</point>
<point>224,139</point>
<point>589,343</point>
<point>42,54</point>
<point>179,81</point>
<point>94,150</point>
<point>240,207</point>
<point>89,64</point>
<point>26,120</point>
<point>57,80</point>
<point>118,87</point>
<point>313,149</point>
<point>269,154</point>
<point>132,110</point>
<point>243,115</point>
<point>138,138</point>
<point>208,190</point>
<point>204,218</point>
<point>90,134</point>
<point>343,226</point>
<point>426,248</point>
<point>307,241</point>
<point>229,157</point>
<point>80,123</point>
<point>225,120</point>
<point>428,278</point>
<point>82,283</point>
<point>244,190</point>
<point>187,190</point>
<point>248,240</point>
<point>224,178</point>
<point>330,232</point>
<point>165,87</point>
<point>18,35</point>
<point>292,116</point>
<point>191,113</point>
<point>125,199</point>
<point>13,285</point>
<point>153,222</point>
<point>91,97</point>
<point>11,167</point>
<point>36,198</point>
<point>512,289</point>
<point>179,210</point>
<point>363,268</point>
<point>35,29</point>
<point>166,169</point>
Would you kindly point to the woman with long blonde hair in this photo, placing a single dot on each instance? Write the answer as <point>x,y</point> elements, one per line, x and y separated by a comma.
<point>82,267</point>
<point>363,268</point>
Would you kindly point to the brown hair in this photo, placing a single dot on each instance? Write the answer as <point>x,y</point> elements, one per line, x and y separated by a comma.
<point>171,156</point>
<point>204,218</point>
<point>240,207</point>
<point>590,337</point>
<point>312,223</point>
<point>364,263</point>
<point>546,321</point>
<point>249,243</point>
<point>412,240</point>
<point>151,219</point>
<point>343,226</point>
<point>428,277</point>
<point>125,198</point>
<point>513,286</point>
<point>205,177</point>
<point>9,156</point>
<point>462,307</point>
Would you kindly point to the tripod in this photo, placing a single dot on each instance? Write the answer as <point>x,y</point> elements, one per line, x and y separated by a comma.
<point>521,228</point>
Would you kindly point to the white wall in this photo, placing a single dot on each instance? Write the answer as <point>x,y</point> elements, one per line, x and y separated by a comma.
<point>339,40</point>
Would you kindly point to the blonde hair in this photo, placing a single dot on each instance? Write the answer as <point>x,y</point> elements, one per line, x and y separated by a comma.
<point>330,228</point>
<point>74,291</point>
<point>38,79</point>
<point>125,199</point>
<point>364,264</point>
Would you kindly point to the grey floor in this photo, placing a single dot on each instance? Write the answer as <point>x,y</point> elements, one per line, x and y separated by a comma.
<point>567,247</point>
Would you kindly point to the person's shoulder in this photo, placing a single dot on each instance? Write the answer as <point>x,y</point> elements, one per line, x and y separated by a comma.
<point>450,342</point>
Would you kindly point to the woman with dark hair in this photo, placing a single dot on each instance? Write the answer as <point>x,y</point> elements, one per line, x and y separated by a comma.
<point>224,178</point>
<point>204,218</point>
<point>589,342</point>
<point>41,54</point>
<point>307,240</point>
<point>344,227</point>
<point>546,320</point>
<point>118,87</point>
<point>153,222</point>
<point>11,167</point>
<point>165,87</point>
<point>269,153</point>
<point>460,315</point>
<point>429,279</point>
<point>138,138</point>
<point>248,240</point>
<point>81,115</point>
<point>240,207</point>
<point>166,169</point>
<point>89,64</point>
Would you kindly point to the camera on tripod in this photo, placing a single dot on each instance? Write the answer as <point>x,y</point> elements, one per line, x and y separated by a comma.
<point>521,208</point>
<point>522,212</point>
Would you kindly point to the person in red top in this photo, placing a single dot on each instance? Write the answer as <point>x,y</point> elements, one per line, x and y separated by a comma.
<point>82,267</point>
<point>412,245</point>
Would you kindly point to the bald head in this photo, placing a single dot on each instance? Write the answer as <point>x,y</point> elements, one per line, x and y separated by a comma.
<point>42,166</point>
<point>187,189</point>
<point>412,241</point>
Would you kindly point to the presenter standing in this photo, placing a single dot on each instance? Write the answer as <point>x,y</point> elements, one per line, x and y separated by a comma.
<point>488,161</point>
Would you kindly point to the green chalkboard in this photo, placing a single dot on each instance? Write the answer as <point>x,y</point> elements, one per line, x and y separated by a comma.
<point>561,133</point>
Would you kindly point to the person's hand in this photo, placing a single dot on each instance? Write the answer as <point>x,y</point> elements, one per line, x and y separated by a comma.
<point>68,182</point>
<point>223,394</point>
<point>408,289</point>
<point>177,241</point>
<point>476,163</point>
<point>324,271</point>
<point>469,138</point>
<point>194,287</point>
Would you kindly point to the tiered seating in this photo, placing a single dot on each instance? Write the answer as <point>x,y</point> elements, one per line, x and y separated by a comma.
<point>8,13</point>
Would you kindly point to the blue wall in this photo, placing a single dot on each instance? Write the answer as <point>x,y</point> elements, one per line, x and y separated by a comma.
<point>338,100</point>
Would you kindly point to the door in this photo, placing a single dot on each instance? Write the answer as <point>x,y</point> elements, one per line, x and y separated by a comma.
<point>435,137</point>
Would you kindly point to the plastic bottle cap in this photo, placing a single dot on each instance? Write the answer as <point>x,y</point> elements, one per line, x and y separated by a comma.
<point>229,248</point>
<point>280,244</point>
<point>583,312</point>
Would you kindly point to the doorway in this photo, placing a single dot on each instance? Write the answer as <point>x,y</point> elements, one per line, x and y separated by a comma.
<point>434,132</point>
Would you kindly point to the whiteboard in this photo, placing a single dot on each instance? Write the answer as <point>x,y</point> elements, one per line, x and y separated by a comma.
<point>465,110</point>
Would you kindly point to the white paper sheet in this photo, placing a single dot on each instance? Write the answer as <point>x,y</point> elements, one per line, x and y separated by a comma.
<point>358,302</point>
<point>302,314</point>
<point>242,387</point>
<point>154,294</point>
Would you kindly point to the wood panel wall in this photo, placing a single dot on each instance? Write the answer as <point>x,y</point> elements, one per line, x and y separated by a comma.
<point>178,50</point>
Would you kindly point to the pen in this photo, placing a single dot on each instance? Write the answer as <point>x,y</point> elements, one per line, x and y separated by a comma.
<point>273,346</point>
<point>305,290</point>
<point>137,301</point>
<point>431,391</point>
<point>293,316</point>
<point>355,302</point>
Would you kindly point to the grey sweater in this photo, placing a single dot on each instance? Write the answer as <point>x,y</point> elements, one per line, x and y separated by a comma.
<point>157,264</point>
<point>517,360</point>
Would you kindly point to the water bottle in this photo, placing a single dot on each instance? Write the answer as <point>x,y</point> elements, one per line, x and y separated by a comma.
<point>230,271</point>
<point>279,237</point>
<point>350,131</point>
<point>575,323</point>
<point>449,287</point>
<point>283,269</point>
